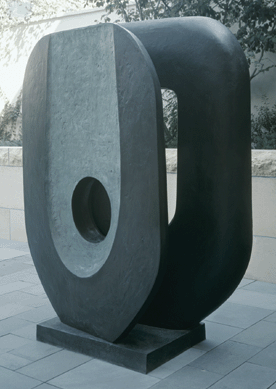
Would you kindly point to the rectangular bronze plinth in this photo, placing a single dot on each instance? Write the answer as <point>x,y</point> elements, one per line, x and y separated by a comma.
<point>144,349</point>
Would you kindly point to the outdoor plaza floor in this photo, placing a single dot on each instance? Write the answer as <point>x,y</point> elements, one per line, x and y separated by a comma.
<point>239,351</point>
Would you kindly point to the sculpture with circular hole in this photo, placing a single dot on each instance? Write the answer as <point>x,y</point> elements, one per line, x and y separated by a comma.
<point>95,177</point>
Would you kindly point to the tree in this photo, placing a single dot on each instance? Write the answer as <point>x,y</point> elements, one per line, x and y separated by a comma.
<point>12,14</point>
<point>17,12</point>
<point>263,126</point>
<point>253,23</point>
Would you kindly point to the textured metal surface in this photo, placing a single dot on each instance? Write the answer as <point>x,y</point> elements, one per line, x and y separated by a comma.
<point>210,237</point>
<point>91,113</point>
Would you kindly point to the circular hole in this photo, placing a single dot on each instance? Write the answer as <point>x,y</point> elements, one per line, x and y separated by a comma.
<point>91,209</point>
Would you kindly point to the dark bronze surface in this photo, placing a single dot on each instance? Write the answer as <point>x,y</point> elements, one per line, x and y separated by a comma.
<point>94,173</point>
<point>210,236</point>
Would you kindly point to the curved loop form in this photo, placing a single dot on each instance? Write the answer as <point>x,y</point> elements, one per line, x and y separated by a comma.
<point>210,237</point>
<point>94,176</point>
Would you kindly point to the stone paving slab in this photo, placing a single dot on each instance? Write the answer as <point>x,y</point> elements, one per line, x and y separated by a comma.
<point>188,377</point>
<point>266,357</point>
<point>177,363</point>
<point>7,253</point>
<point>12,362</point>
<point>13,380</point>
<point>99,374</point>
<point>261,287</point>
<point>248,376</point>
<point>53,365</point>
<point>226,357</point>
<point>238,315</point>
<point>239,351</point>
<point>261,334</point>
<point>15,245</point>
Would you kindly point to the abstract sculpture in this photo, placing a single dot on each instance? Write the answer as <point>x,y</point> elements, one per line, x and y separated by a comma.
<point>95,180</point>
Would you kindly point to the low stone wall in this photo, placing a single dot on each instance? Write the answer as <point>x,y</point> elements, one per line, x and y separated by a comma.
<point>263,260</point>
<point>262,265</point>
<point>12,221</point>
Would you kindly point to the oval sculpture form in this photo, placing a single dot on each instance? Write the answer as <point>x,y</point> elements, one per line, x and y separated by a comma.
<point>94,176</point>
<point>210,236</point>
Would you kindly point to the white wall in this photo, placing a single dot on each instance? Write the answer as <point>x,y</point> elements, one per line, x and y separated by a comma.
<point>12,218</point>
<point>262,264</point>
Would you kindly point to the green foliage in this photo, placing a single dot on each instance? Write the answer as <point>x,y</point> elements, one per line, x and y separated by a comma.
<point>13,13</point>
<point>263,127</point>
<point>257,32</point>
<point>34,10</point>
<point>253,21</point>
<point>170,114</point>
<point>10,123</point>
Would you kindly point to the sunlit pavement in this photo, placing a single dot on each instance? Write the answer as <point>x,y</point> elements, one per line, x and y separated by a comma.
<point>239,352</point>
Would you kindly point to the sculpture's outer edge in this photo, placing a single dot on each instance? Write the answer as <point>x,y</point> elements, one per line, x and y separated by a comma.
<point>210,236</point>
<point>150,137</point>
<point>107,303</point>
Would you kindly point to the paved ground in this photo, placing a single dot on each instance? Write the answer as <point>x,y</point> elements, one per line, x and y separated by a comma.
<point>239,353</point>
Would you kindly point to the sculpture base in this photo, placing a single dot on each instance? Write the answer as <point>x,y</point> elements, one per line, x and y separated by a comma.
<point>143,349</point>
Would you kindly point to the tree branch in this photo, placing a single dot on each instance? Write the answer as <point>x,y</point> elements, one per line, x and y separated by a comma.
<point>262,70</point>
<point>138,6</point>
<point>166,5</point>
